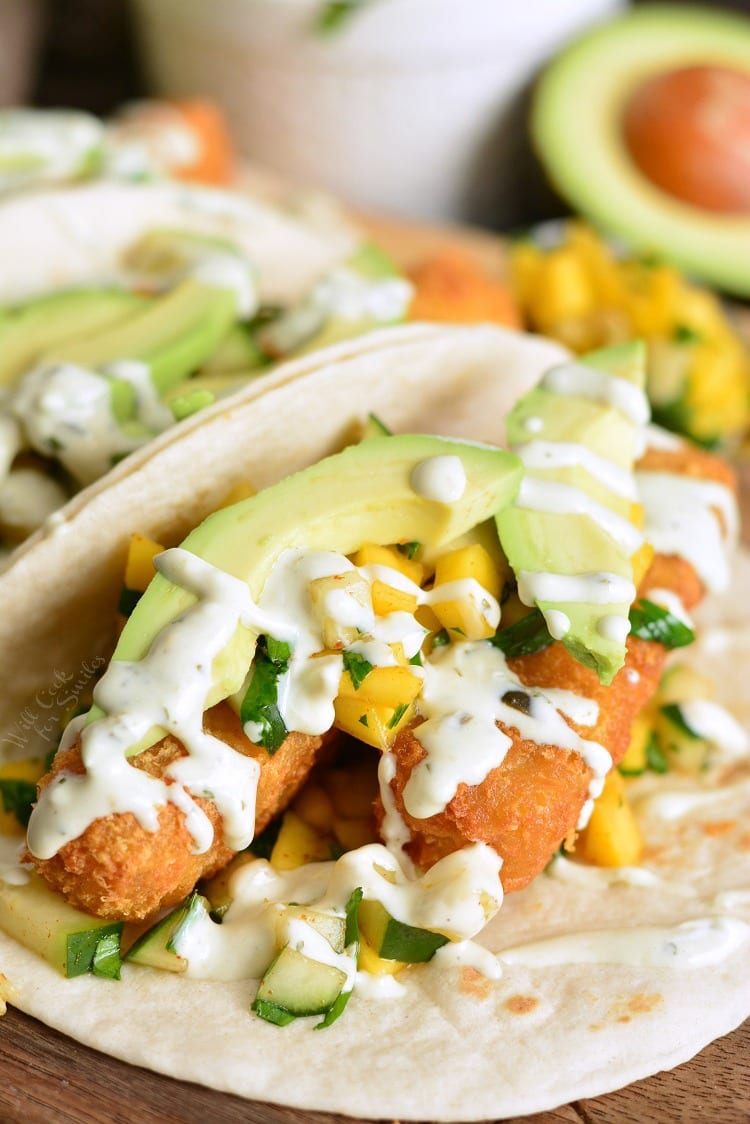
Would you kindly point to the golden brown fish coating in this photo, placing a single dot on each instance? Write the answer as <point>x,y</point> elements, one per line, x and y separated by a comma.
<point>532,801</point>
<point>118,869</point>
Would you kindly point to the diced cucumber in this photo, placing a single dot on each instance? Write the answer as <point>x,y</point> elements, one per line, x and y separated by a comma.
<point>684,748</point>
<point>327,924</point>
<point>394,940</point>
<point>73,942</point>
<point>159,947</point>
<point>298,985</point>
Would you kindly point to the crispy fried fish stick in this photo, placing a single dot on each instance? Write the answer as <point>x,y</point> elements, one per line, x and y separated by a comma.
<point>118,869</point>
<point>526,806</point>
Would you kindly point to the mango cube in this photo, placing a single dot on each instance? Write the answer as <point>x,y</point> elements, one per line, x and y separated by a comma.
<point>139,567</point>
<point>343,606</point>
<point>386,599</point>
<point>612,837</point>
<point>298,843</point>
<point>373,555</point>
<point>377,726</point>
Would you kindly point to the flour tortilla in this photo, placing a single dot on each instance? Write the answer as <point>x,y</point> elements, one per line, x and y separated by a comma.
<point>452,1046</point>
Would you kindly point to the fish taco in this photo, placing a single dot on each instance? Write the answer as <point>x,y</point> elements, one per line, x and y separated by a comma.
<point>399,796</point>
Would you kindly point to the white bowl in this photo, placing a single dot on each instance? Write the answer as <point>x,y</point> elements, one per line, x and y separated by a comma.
<point>402,109</point>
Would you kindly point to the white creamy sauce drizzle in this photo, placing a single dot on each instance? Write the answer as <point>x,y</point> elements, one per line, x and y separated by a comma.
<point>468,954</point>
<point>352,296</point>
<point>533,425</point>
<point>55,143</point>
<point>12,871</point>
<point>681,518</point>
<point>393,831</point>
<point>456,897</point>
<point>693,944</point>
<point>441,478</point>
<point>558,623</point>
<point>613,627</point>
<point>598,877</point>
<point>461,702</point>
<point>713,722</point>
<point>66,413</point>
<point>670,601</point>
<point>577,380</point>
<point>674,804</point>
<point>167,690</point>
<point>554,498</point>
<point>570,454</point>
<point>658,438</point>
<point>598,588</point>
<point>229,271</point>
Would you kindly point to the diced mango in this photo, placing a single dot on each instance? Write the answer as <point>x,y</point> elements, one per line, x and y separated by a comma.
<point>384,686</point>
<point>139,567</point>
<point>469,562</point>
<point>375,725</point>
<point>343,606</point>
<point>386,599</point>
<point>562,288</point>
<point>298,843</point>
<point>242,491</point>
<point>635,760</point>
<point>641,561</point>
<point>612,837</point>
<point>30,771</point>
<point>369,961</point>
<point>373,555</point>
<point>428,618</point>
<point>315,807</point>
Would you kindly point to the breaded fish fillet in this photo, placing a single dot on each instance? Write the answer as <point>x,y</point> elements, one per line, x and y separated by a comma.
<point>118,869</point>
<point>532,801</point>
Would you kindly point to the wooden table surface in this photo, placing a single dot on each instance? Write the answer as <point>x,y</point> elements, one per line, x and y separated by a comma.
<point>45,1078</point>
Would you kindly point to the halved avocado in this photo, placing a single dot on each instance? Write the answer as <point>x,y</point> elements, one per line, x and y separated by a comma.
<point>577,129</point>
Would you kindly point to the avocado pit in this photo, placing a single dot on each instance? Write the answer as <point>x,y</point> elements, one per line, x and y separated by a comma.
<point>688,132</point>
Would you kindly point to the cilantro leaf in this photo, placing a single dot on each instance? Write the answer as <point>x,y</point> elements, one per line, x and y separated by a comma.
<point>260,704</point>
<point>440,639</point>
<point>358,667</point>
<point>408,548</point>
<point>655,758</point>
<point>17,797</point>
<point>649,621</point>
<point>397,715</point>
<point>523,638</point>
<point>351,941</point>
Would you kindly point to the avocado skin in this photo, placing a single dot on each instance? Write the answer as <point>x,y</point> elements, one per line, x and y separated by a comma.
<point>577,134</point>
<point>55,320</point>
<point>362,494</point>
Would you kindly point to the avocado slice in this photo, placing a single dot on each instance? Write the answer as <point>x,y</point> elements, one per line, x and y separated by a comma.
<point>539,541</point>
<point>173,336</point>
<point>32,328</point>
<point>363,494</point>
<point>71,941</point>
<point>577,129</point>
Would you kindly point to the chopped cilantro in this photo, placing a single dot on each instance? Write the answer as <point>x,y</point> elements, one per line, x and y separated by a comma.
<point>398,714</point>
<point>653,622</point>
<point>260,704</point>
<point>683,333</point>
<point>264,843</point>
<point>440,639</point>
<point>351,943</point>
<point>673,711</point>
<point>416,660</point>
<point>358,667</point>
<point>363,720</point>
<point>655,759</point>
<point>408,548</point>
<point>17,797</point>
<point>523,638</point>
<point>334,14</point>
<point>278,650</point>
